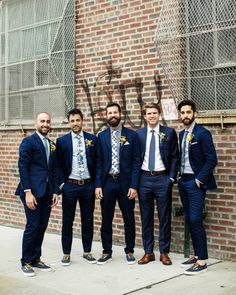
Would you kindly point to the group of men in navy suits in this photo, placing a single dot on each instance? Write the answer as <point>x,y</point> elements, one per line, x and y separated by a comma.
<point>117,166</point>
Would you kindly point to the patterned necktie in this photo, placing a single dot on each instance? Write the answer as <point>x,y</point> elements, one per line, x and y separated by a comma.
<point>184,143</point>
<point>115,153</point>
<point>46,145</point>
<point>80,157</point>
<point>151,160</point>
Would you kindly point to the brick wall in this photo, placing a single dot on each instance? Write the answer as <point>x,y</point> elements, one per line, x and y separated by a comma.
<point>117,60</point>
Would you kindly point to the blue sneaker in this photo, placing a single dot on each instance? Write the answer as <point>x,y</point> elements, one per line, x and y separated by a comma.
<point>189,262</point>
<point>28,270</point>
<point>65,260</point>
<point>41,266</point>
<point>196,269</point>
<point>130,259</point>
<point>104,259</point>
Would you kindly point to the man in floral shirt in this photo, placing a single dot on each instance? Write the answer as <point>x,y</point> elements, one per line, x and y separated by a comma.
<point>76,160</point>
<point>117,176</point>
<point>159,153</point>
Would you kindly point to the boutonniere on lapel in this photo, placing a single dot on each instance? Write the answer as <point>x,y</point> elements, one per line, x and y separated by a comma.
<point>52,146</point>
<point>123,140</point>
<point>190,137</point>
<point>88,142</point>
<point>163,137</point>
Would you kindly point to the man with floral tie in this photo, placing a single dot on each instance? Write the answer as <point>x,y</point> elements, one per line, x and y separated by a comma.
<point>159,154</point>
<point>76,171</point>
<point>117,176</point>
<point>197,161</point>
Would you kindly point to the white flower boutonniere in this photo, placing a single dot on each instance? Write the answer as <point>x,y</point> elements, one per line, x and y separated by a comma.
<point>163,137</point>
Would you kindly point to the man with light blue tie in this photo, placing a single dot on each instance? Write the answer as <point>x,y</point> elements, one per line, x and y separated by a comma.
<point>197,160</point>
<point>159,154</point>
<point>38,190</point>
<point>76,171</point>
<point>117,176</point>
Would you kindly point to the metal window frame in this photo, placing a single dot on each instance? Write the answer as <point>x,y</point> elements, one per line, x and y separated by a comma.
<point>22,91</point>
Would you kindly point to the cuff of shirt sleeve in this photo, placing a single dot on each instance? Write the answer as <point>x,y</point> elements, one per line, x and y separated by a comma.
<point>61,186</point>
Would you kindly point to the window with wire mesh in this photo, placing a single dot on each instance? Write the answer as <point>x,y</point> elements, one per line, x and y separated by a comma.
<point>37,41</point>
<point>196,41</point>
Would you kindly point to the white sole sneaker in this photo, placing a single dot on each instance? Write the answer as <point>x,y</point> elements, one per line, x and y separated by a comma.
<point>104,262</point>
<point>195,273</point>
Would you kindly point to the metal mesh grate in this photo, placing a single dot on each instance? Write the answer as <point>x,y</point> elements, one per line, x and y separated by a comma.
<point>196,41</point>
<point>37,58</point>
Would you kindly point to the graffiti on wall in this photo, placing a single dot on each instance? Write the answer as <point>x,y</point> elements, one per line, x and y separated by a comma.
<point>109,85</point>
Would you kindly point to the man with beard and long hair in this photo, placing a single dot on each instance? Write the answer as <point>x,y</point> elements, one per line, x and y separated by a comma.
<point>197,161</point>
<point>117,175</point>
<point>38,190</point>
<point>76,153</point>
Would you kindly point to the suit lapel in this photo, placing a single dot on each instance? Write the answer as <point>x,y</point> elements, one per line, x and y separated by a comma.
<point>123,133</point>
<point>108,139</point>
<point>86,137</point>
<point>41,146</point>
<point>181,139</point>
<point>70,148</point>
<point>190,145</point>
<point>161,130</point>
<point>143,141</point>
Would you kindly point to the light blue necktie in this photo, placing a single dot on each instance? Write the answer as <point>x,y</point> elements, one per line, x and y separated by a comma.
<point>151,160</point>
<point>184,143</point>
<point>46,145</point>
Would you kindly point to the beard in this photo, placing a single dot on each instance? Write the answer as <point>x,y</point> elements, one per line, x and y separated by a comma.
<point>188,122</point>
<point>114,123</point>
<point>43,131</point>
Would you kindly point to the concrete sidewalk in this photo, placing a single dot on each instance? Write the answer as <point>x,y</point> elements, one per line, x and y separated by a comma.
<point>113,278</point>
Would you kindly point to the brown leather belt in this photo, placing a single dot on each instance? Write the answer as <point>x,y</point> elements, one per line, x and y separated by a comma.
<point>153,173</point>
<point>79,181</point>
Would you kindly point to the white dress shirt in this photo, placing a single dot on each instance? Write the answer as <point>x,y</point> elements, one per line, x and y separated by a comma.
<point>159,165</point>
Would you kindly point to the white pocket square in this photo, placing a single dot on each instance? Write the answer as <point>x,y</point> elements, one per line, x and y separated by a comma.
<point>194,143</point>
<point>126,143</point>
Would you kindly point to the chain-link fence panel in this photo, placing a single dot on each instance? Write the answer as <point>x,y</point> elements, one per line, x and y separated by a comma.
<point>196,41</point>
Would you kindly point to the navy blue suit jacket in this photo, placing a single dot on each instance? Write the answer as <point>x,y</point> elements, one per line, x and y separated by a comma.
<point>34,171</point>
<point>168,145</point>
<point>129,159</point>
<point>202,156</point>
<point>64,154</point>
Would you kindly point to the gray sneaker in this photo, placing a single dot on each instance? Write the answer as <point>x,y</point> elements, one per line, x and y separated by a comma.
<point>65,260</point>
<point>28,270</point>
<point>41,266</point>
<point>89,258</point>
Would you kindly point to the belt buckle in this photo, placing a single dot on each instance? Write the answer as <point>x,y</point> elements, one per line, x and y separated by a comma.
<point>152,173</point>
<point>81,182</point>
